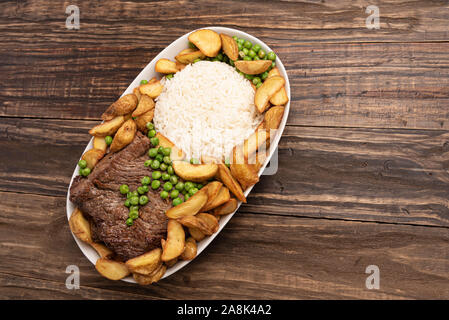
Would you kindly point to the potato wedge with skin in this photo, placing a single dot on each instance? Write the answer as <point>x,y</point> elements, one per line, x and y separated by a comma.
<point>194,172</point>
<point>196,234</point>
<point>151,278</point>
<point>99,143</point>
<point>206,223</point>
<point>102,250</point>
<point>152,89</point>
<point>145,105</point>
<point>92,157</point>
<point>189,207</point>
<point>185,51</point>
<point>267,90</point>
<point>273,117</point>
<point>222,196</point>
<point>190,250</point>
<point>226,208</point>
<point>245,174</point>
<point>137,93</point>
<point>259,140</point>
<point>208,41</point>
<point>171,263</point>
<point>176,153</point>
<point>230,46</point>
<point>280,97</point>
<point>212,189</point>
<point>113,270</point>
<point>274,72</point>
<point>189,57</point>
<point>123,105</point>
<point>107,128</point>
<point>80,226</point>
<point>210,220</point>
<point>225,176</point>
<point>142,120</point>
<point>166,66</point>
<point>145,263</point>
<point>253,67</point>
<point>124,136</point>
<point>180,65</point>
<point>174,245</point>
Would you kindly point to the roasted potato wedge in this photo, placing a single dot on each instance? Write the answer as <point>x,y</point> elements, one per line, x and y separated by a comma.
<point>113,270</point>
<point>212,189</point>
<point>280,97</point>
<point>210,220</point>
<point>107,128</point>
<point>171,263</point>
<point>99,143</point>
<point>189,207</point>
<point>180,65</point>
<point>137,93</point>
<point>221,197</point>
<point>245,174</point>
<point>194,172</point>
<point>122,106</point>
<point>166,66</point>
<point>145,105</point>
<point>258,140</point>
<point>92,157</point>
<point>102,250</point>
<point>208,41</point>
<point>152,89</point>
<point>189,57</point>
<point>80,226</point>
<point>230,46</point>
<point>274,72</point>
<point>196,234</point>
<point>267,90</point>
<point>174,245</point>
<point>190,249</point>
<point>176,153</point>
<point>151,278</point>
<point>225,176</point>
<point>124,135</point>
<point>204,222</point>
<point>185,51</point>
<point>146,263</point>
<point>273,117</point>
<point>226,208</point>
<point>143,119</point>
<point>253,67</point>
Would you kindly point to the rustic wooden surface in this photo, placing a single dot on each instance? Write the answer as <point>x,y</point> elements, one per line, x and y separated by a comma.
<point>364,161</point>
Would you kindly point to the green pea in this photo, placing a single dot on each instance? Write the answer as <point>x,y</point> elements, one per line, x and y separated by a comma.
<point>258,85</point>
<point>273,64</point>
<point>127,203</point>
<point>166,160</point>
<point>240,46</point>
<point>193,191</point>
<point>82,164</point>
<point>164,194</point>
<point>188,185</point>
<point>186,197</point>
<point>159,158</point>
<point>129,222</point>
<point>256,81</point>
<point>166,151</point>
<point>251,53</point>
<point>145,180</point>
<point>184,192</point>
<point>134,200</point>
<point>241,73</point>
<point>85,172</point>
<point>134,215</point>
<point>256,48</point>
<point>163,166</point>
<point>108,140</point>
<point>256,58</point>
<point>174,179</point>
<point>194,161</point>
<point>196,60</point>
<point>165,176</point>
<point>143,200</point>
<point>249,76</point>
<point>151,133</point>
<point>170,170</point>
<point>168,186</point>
<point>231,62</point>
<point>241,41</point>
<point>134,208</point>
<point>150,125</point>
<point>152,152</point>
<point>141,190</point>
<point>261,54</point>
<point>146,188</point>
<point>154,141</point>
<point>156,175</point>
<point>155,184</point>
<point>155,164</point>
<point>132,194</point>
<point>179,186</point>
<point>169,76</point>
<point>147,163</point>
<point>264,75</point>
<point>245,51</point>
<point>235,38</point>
<point>160,150</point>
<point>177,201</point>
<point>124,189</point>
<point>247,44</point>
<point>247,58</point>
<point>174,194</point>
<point>271,56</point>
<point>143,81</point>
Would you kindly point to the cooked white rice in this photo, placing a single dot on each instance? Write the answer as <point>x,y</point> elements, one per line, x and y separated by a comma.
<point>206,109</point>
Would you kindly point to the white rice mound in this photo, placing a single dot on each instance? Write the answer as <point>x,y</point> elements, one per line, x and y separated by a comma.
<point>206,109</point>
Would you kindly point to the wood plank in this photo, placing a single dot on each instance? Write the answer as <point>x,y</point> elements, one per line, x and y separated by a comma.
<point>314,258</point>
<point>386,85</point>
<point>40,23</point>
<point>386,175</point>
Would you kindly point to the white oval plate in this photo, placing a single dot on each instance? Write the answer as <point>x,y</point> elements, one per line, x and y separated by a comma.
<point>147,73</point>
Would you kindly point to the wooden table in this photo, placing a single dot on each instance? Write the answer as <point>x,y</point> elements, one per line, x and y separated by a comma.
<point>363,175</point>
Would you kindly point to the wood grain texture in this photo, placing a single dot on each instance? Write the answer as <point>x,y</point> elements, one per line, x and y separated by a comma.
<point>303,258</point>
<point>398,176</point>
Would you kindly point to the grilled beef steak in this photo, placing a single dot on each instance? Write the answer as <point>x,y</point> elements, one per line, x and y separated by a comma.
<point>99,198</point>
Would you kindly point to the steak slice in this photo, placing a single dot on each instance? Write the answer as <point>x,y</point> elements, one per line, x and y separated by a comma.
<point>99,198</point>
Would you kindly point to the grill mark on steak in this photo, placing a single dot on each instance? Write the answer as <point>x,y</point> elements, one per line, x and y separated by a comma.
<point>98,197</point>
